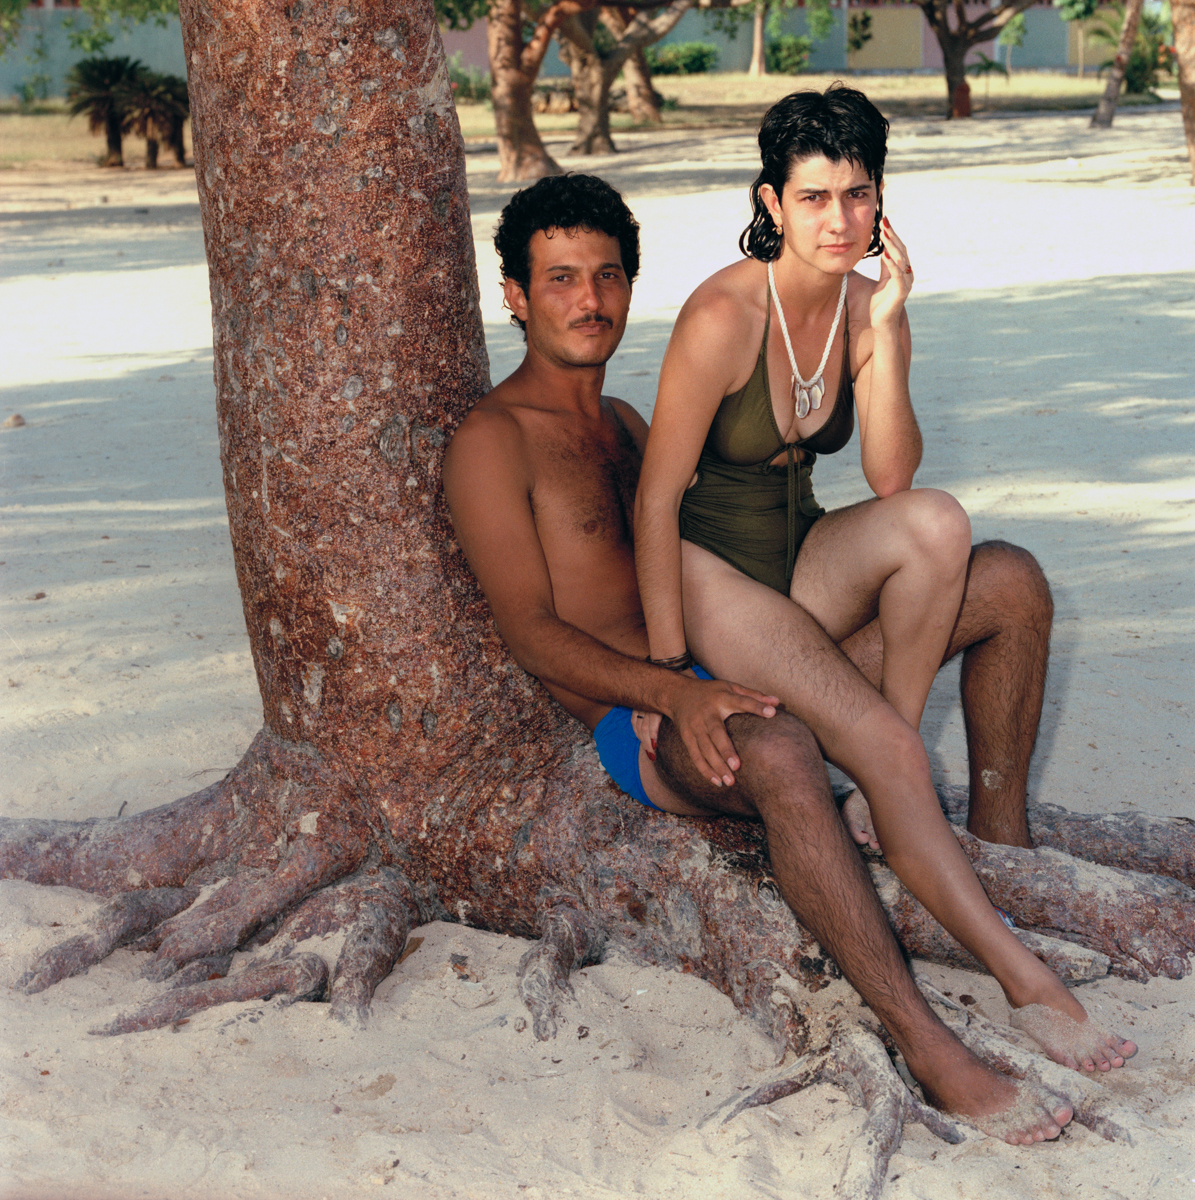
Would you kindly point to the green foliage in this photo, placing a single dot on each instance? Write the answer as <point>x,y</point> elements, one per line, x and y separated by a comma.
<point>460,14</point>
<point>682,58</point>
<point>1076,10</point>
<point>819,20</point>
<point>11,12</point>
<point>1013,33</point>
<point>35,87</point>
<point>93,37</point>
<point>470,85</point>
<point>859,32</point>
<point>788,54</point>
<point>1152,54</point>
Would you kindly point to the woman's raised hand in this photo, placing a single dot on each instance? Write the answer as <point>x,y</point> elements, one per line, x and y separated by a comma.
<point>896,279</point>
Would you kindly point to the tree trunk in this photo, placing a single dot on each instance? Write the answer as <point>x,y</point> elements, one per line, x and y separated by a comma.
<point>1106,109</point>
<point>1183,15</point>
<point>175,141</point>
<point>592,76</point>
<point>522,155</point>
<point>759,61</point>
<point>114,132</point>
<point>641,92</point>
<point>957,39</point>
<point>151,153</point>
<point>408,770</point>
<point>954,57</point>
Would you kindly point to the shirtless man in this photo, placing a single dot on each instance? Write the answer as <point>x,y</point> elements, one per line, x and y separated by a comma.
<point>540,478</point>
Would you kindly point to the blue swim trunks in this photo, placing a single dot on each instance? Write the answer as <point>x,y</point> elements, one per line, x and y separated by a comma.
<point>618,748</point>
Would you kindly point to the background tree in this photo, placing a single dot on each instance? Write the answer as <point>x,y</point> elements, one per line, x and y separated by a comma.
<point>407,769</point>
<point>1183,15</point>
<point>103,88</point>
<point>158,111</point>
<point>1106,109</point>
<point>957,38</point>
<point>597,44</point>
<point>1152,51</point>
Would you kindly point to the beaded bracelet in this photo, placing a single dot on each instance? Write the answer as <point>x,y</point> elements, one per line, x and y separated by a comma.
<point>679,662</point>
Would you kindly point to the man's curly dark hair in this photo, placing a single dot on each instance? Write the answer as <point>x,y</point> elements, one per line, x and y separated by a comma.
<point>563,202</point>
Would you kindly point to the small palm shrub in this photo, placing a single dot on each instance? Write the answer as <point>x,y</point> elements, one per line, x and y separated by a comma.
<point>1152,54</point>
<point>100,87</point>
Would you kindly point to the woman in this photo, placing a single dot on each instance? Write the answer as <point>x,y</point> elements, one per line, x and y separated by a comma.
<point>741,568</point>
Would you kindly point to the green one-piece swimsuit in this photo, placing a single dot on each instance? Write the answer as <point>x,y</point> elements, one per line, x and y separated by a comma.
<point>742,508</point>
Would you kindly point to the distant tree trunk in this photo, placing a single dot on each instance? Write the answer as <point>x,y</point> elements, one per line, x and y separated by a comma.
<point>759,58</point>
<point>514,67</point>
<point>174,139</point>
<point>636,74</point>
<point>592,76</point>
<point>151,152</point>
<point>1106,109</point>
<point>114,130</point>
<point>594,72</point>
<point>957,35</point>
<point>1183,15</point>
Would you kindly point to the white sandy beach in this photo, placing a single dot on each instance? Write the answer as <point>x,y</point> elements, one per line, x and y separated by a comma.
<point>1054,376</point>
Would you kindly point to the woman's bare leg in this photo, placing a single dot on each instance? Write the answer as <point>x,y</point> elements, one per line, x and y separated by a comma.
<point>745,632</point>
<point>908,554</point>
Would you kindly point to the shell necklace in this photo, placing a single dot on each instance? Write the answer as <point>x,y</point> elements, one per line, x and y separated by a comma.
<point>807,393</point>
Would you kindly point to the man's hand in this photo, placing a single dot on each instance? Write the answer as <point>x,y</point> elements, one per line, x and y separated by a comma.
<point>700,713</point>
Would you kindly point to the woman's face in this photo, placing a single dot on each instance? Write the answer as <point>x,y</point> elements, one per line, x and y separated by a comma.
<point>827,213</point>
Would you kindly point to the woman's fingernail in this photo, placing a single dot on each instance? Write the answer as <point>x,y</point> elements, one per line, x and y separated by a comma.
<point>651,757</point>
<point>653,743</point>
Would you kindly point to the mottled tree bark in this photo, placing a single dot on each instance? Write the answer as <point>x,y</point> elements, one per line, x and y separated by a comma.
<point>759,59</point>
<point>957,35</point>
<point>1183,15</point>
<point>408,770</point>
<point>1106,109</point>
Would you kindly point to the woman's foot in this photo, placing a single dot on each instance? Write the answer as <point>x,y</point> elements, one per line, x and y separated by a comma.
<point>1080,1044</point>
<point>856,816</point>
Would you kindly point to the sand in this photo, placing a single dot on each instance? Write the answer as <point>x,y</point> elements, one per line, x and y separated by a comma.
<point>1054,334</point>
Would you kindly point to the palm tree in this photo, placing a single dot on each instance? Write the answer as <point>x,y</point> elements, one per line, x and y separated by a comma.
<point>158,109</point>
<point>100,87</point>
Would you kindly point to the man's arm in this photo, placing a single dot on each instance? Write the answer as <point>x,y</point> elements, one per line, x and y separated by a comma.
<point>487,484</point>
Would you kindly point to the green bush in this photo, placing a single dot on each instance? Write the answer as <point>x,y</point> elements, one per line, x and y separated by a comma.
<point>682,58</point>
<point>788,54</point>
<point>1152,54</point>
<point>470,85</point>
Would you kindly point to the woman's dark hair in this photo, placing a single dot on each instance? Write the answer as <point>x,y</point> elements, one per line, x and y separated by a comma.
<point>840,123</point>
<point>563,202</point>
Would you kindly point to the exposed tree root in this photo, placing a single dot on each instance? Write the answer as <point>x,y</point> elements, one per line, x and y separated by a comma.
<point>1144,923</point>
<point>857,1062</point>
<point>301,977</point>
<point>571,938</point>
<point>1132,841</point>
<point>119,922</point>
<point>924,938</point>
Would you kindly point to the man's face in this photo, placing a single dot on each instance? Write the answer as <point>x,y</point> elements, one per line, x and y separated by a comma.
<point>575,308</point>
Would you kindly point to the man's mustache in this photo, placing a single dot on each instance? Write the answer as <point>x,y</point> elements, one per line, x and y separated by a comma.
<point>596,319</point>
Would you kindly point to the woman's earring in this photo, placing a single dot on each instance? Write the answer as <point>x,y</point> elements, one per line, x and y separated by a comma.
<point>779,228</point>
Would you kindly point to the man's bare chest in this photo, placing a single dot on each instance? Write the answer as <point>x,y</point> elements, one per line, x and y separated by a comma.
<point>583,496</point>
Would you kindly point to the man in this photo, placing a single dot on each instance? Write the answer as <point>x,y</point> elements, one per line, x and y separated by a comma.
<point>540,478</point>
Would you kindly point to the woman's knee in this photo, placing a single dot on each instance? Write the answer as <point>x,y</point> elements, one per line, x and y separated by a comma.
<point>937,527</point>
